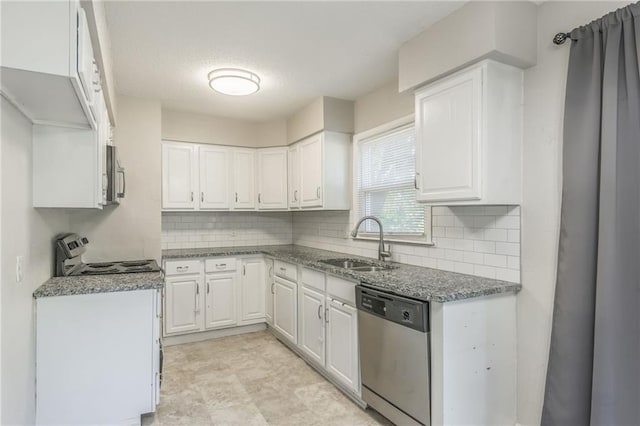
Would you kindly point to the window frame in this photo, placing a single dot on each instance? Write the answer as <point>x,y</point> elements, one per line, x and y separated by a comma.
<point>355,214</point>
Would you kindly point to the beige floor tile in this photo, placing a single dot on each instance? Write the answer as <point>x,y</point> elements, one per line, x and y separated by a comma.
<point>250,379</point>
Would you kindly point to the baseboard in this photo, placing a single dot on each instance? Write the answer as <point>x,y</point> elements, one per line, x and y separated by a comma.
<point>320,370</point>
<point>212,334</point>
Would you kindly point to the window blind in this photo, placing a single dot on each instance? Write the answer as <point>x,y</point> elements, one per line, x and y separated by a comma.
<point>385,182</point>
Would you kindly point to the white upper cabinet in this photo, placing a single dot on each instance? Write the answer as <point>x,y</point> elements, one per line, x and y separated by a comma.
<point>294,177</point>
<point>469,137</point>
<point>48,68</point>
<point>311,162</point>
<point>272,179</point>
<point>215,177</point>
<point>244,176</point>
<point>179,176</point>
<point>321,172</point>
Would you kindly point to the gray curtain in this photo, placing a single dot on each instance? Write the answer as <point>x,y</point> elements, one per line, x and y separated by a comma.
<point>594,374</point>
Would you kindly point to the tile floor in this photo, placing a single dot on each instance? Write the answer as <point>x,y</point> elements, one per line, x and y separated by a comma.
<point>249,379</point>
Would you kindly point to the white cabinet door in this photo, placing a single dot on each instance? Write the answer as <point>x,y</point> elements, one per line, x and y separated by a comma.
<point>244,178</point>
<point>179,177</point>
<point>272,178</point>
<point>269,277</point>
<point>285,317</point>
<point>221,300</point>
<point>86,63</point>
<point>342,344</point>
<point>311,159</point>
<point>448,136</point>
<point>311,310</point>
<point>182,304</point>
<point>252,288</point>
<point>215,177</point>
<point>294,177</point>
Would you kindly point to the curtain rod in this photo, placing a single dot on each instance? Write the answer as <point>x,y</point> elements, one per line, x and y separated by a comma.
<point>560,38</point>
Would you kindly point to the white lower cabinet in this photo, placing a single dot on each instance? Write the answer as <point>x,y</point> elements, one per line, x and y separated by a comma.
<point>209,294</point>
<point>342,343</point>
<point>252,291</point>
<point>285,309</point>
<point>328,326</point>
<point>268,290</point>
<point>312,312</point>
<point>221,300</point>
<point>182,303</point>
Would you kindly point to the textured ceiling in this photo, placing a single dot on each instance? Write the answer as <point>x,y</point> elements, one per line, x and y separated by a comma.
<point>301,50</point>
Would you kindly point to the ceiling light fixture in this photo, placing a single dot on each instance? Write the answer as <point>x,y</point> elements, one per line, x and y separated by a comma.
<point>234,81</point>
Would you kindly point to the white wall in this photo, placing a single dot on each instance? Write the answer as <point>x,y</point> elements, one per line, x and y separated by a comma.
<point>381,106</point>
<point>544,107</point>
<point>132,229</point>
<point>29,233</point>
<point>225,229</point>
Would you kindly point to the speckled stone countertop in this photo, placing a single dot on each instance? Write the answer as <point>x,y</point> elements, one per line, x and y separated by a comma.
<point>416,282</point>
<point>67,286</point>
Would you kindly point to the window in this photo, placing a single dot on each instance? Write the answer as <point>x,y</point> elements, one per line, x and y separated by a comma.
<point>384,183</point>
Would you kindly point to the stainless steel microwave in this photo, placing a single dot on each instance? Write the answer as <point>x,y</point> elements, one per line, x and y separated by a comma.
<point>116,178</point>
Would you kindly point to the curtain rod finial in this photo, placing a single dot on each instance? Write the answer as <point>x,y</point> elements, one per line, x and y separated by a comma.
<point>560,38</point>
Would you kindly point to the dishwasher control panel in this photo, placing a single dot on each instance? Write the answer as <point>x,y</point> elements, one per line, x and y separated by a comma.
<point>401,310</point>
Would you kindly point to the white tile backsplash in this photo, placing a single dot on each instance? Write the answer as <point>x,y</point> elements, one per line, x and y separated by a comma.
<point>476,240</point>
<point>225,229</point>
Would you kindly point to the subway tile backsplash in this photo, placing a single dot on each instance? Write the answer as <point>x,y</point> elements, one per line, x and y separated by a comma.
<point>476,240</point>
<point>224,229</point>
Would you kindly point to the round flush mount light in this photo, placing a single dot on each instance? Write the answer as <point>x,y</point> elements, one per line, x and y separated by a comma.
<point>234,81</point>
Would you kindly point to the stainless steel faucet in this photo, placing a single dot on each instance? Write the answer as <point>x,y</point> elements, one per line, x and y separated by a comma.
<point>382,253</point>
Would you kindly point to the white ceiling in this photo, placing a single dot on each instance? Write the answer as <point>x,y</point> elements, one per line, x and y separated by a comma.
<point>300,50</point>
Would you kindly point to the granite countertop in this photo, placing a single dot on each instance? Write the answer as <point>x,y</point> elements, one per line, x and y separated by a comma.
<point>91,284</point>
<point>416,282</point>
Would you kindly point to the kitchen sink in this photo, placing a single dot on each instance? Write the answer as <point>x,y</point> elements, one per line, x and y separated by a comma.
<point>358,265</point>
<point>346,263</point>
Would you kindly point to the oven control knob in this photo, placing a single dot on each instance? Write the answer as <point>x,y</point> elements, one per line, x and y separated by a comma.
<point>406,315</point>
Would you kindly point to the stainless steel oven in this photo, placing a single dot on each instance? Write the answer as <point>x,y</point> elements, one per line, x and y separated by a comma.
<point>393,333</point>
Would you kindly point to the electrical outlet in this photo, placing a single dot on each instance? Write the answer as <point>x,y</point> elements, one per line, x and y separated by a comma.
<point>19,269</point>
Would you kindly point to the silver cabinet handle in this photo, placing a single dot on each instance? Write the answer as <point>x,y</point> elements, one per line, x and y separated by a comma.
<point>207,287</point>
<point>244,270</point>
<point>198,289</point>
<point>295,195</point>
<point>271,270</point>
<point>182,268</point>
<point>202,197</point>
<point>236,197</point>
<point>319,311</point>
<point>415,180</point>
<point>191,195</point>
<point>318,192</point>
<point>272,290</point>
<point>259,198</point>
<point>326,315</point>
<point>221,265</point>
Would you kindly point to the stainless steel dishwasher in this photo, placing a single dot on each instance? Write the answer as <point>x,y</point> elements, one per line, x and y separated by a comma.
<point>393,333</point>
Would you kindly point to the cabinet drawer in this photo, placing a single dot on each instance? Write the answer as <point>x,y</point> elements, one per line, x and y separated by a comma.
<point>286,270</point>
<point>313,279</point>
<point>179,267</point>
<point>344,290</point>
<point>220,264</point>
